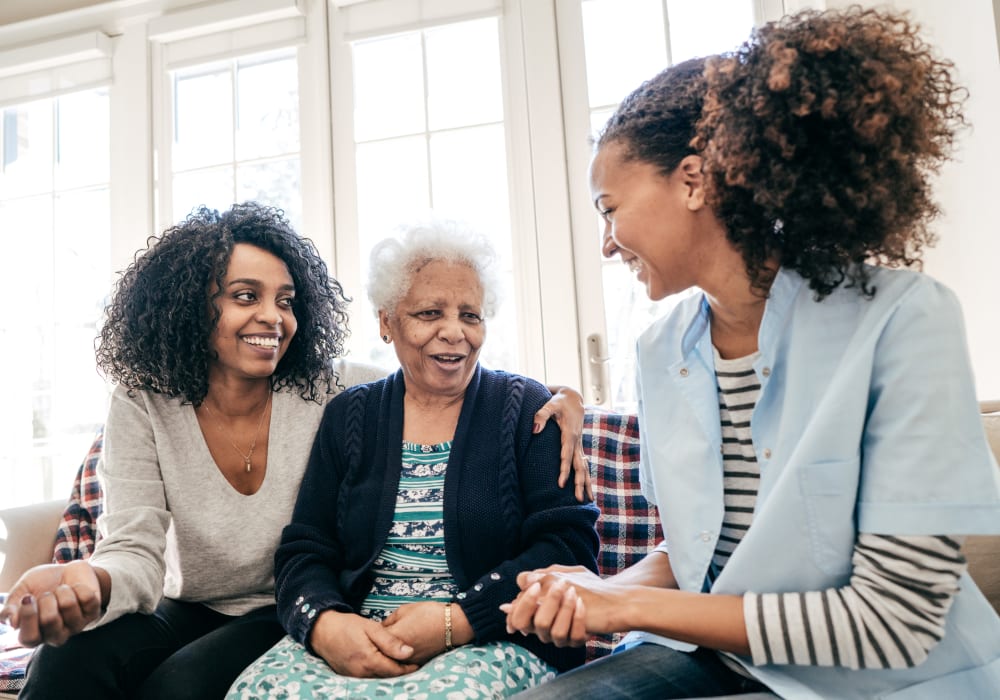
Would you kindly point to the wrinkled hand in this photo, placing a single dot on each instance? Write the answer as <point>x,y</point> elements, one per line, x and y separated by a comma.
<point>566,406</point>
<point>51,603</point>
<point>563,605</point>
<point>358,647</point>
<point>421,626</point>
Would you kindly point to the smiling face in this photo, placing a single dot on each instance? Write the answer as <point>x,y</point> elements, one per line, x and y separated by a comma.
<point>438,329</point>
<point>257,321</point>
<point>654,222</point>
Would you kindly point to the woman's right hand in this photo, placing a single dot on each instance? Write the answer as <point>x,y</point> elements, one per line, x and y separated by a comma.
<point>52,602</point>
<point>358,647</point>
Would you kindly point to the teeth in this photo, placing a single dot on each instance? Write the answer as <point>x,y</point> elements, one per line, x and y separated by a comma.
<point>262,342</point>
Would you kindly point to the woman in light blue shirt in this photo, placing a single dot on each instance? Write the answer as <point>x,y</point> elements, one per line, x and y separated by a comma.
<point>810,427</point>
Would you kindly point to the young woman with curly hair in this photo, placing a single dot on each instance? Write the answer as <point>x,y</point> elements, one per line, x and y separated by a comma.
<point>810,426</point>
<point>221,338</point>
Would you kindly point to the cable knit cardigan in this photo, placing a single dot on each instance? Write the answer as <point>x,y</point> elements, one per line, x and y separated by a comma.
<point>503,511</point>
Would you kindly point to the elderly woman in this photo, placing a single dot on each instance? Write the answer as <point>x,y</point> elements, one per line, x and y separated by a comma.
<point>425,494</point>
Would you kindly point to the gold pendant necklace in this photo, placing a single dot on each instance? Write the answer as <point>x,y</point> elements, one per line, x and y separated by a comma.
<point>246,457</point>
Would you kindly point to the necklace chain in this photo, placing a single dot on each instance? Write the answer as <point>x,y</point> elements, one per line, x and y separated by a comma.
<point>246,457</point>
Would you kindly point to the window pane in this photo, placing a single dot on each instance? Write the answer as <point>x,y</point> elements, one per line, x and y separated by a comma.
<point>268,107</point>
<point>469,179</point>
<point>392,187</point>
<point>388,87</point>
<point>211,188</point>
<point>608,27</point>
<point>82,139</point>
<point>203,118</point>
<point>463,74</point>
<point>27,149</point>
<point>707,26</point>
<point>275,182</point>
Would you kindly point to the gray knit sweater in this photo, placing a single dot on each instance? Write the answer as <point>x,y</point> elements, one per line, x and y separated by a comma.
<point>173,526</point>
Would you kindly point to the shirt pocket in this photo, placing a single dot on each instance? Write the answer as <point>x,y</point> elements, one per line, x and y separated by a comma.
<point>830,495</point>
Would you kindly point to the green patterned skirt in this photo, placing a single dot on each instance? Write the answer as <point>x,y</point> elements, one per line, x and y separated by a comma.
<point>495,670</point>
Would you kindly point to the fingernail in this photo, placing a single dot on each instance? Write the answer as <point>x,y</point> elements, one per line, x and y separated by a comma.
<point>537,428</point>
<point>535,587</point>
<point>406,649</point>
<point>27,600</point>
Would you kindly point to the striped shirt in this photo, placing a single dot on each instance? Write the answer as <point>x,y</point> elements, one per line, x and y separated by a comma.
<point>892,611</point>
<point>412,565</point>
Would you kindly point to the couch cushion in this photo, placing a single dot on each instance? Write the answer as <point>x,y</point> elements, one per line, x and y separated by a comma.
<point>629,526</point>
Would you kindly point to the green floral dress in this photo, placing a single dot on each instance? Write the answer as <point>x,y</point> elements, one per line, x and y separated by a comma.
<point>412,567</point>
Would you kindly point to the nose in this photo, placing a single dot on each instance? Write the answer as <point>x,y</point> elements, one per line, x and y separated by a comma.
<point>450,330</point>
<point>608,245</point>
<point>269,314</point>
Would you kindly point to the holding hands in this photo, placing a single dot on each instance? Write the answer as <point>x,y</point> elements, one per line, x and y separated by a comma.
<point>51,603</point>
<point>565,605</point>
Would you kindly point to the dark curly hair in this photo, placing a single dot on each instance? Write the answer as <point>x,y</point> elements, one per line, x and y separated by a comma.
<point>156,332</point>
<point>819,137</point>
<point>656,123</point>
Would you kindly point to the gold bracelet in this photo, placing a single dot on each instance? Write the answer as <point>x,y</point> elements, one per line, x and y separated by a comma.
<point>447,627</point>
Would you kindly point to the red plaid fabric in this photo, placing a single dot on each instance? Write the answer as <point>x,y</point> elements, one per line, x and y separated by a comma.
<point>629,526</point>
<point>77,532</point>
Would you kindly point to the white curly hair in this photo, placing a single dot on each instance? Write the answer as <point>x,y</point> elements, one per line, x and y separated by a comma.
<point>394,260</point>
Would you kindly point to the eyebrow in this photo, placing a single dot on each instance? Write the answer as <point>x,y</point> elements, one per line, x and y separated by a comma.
<point>256,283</point>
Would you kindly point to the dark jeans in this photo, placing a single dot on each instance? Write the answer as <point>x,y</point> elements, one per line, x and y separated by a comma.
<point>648,671</point>
<point>183,650</point>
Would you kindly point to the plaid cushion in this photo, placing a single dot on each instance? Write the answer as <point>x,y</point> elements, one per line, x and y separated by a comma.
<point>629,526</point>
<point>77,532</point>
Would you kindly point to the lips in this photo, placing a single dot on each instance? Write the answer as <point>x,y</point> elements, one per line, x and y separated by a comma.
<point>448,358</point>
<point>262,341</point>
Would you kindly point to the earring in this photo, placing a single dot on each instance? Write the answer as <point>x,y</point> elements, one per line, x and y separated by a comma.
<point>385,338</point>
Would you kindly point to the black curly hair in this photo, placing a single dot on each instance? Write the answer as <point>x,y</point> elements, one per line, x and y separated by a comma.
<point>156,332</point>
<point>819,137</point>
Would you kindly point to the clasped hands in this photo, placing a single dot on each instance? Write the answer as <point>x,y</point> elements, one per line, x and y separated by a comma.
<point>51,603</point>
<point>564,605</point>
<point>409,637</point>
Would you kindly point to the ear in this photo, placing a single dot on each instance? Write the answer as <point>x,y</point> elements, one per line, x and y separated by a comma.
<point>690,170</point>
<point>383,323</point>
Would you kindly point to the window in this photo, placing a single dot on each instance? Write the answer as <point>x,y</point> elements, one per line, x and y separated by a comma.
<point>658,33</point>
<point>54,211</point>
<point>236,134</point>
<point>428,133</point>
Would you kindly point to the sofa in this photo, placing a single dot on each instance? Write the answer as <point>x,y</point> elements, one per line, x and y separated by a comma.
<point>629,527</point>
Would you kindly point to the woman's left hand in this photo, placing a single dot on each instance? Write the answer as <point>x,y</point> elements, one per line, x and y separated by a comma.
<point>566,406</point>
<point>422,626</point>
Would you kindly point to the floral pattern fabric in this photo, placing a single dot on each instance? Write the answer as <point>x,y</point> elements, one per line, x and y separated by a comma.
<point>494,670</point>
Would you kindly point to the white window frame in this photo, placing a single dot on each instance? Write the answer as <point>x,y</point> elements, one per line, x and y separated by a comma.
<point>536,171</point>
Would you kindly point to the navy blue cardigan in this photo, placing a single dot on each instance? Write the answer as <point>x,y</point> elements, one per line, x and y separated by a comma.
<point>503,510</point>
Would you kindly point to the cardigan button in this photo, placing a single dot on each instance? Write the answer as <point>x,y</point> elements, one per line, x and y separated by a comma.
<point>478,587</point>
<point>298,601</point>
<point>767,453</point>
<point>461,596</point>
<point>312,614</point>
<point>706,536</point>
<point>305,608</point>
<point>494,576</point>
<point>766,371</point>
<point>684,371</point>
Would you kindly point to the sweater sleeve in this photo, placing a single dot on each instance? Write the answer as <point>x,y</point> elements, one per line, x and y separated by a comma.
<point>889,616</point>
<point>133,525</point>
<point>309,557</point>
<point>545,523</point>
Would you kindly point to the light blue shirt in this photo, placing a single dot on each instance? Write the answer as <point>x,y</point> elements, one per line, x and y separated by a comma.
<point>867,421</point>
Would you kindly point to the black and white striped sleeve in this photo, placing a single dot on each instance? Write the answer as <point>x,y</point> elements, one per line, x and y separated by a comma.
<point>889,616</point>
